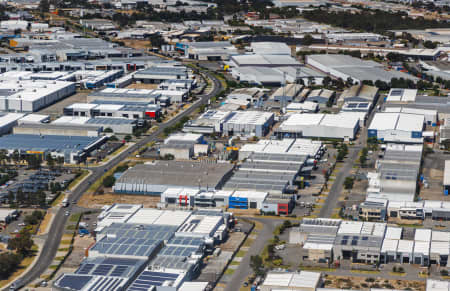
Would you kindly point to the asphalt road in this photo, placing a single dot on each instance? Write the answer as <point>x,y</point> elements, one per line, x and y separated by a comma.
<point>333,196</point>
<point>58,225</point>
<point>344,171</point>
<point>244,270</point>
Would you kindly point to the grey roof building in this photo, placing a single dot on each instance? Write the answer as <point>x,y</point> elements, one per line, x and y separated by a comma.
<point>155,178</point>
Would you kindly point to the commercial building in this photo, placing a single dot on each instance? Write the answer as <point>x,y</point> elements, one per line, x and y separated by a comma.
<point>359,241</point>
<point>7,215</point>
<point>321,96</point>
<point>74,149</point>
<point>270,48</point>
<point>304,107</point>
<point>273,165</point>
<point>90,79</point>
<point>359,94</point>
<point>429,115</point>
<point>248,123</point>
<point>247,200</point>
<point>181,146</point>
<point>397,127</point>
<point>345,67</point>
<point>279,204</point>
<point>31,96</point>
<point>159,74</point>
<point>398,95</point>
<point>207,50</point>
<point>397,173</point>
<point>155,178</point>
<point>341,126</point>
<point>33,118</point>
<point>187,197</point>
<point>209,122</point>
<point>373,209</point>
<point>286,93</point>
<point>263,60</point>
<point>58,129</point>
<point>8,121</point>
<point>437,285</point>
<point>304,281</point>
<point>117,125</point>
<point>119,110</point>
<point>124,95</point>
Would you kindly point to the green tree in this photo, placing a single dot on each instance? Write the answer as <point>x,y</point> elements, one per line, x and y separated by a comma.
<point>50,161</point>
<point>44,6</point>
<point>256,263</point>
<point>9,262</point>
<point>348,183</point>
<point>22,243</point>
<point>127,138</point>
<point>109,181</point>
<point>429,44</point>
<point>307,39</point>
<point>326,81</point>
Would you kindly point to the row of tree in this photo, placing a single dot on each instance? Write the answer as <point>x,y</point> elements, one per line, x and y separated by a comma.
<point>371,20</point>
<point>26,199</point>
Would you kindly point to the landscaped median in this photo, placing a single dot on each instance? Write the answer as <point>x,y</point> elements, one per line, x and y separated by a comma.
<point>64,250</point>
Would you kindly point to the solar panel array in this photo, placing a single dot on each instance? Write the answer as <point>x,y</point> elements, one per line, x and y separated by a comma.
<point>127,230</point>
<point>73,281</point>
<point>147,279</point>
<point>126,246</point>
<point>116,267</point>
<point>179,251</point>
<point>397,92</point>
<point>186,241</point>
<point>107,284</point>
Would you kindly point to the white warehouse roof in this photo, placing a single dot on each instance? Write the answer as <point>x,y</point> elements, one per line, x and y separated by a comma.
<point>397,121</point>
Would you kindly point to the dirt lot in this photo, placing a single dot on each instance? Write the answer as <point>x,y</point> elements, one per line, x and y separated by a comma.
<point>81,244</point>
<point>343,282</point>
<point>233,242</point>
<point>56,109</point>
<point>97,201</point>
<point>137,44</point>
<point>434,190</point>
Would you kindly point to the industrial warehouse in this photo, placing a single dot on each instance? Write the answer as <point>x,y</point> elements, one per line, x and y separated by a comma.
<point>148,248</point>
<point>147,152</point>
<point>344,67</point>
<point>326,240</point>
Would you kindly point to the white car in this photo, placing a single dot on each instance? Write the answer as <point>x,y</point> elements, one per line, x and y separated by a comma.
<point>22,224</point>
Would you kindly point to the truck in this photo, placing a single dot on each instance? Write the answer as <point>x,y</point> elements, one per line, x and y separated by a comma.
<point>65,202</point>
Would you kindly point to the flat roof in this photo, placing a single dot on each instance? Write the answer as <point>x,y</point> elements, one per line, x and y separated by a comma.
<point>9,118</point>
<point>34,118</point>
<point>303,279</point>
<point>422,234</point>
<point>193,286</point>
<point>28,142</point>
<point>401,95</point>
<point>175,173</point>
<point>397,121</point>
<point>405,246</point>
<point>393,233</point>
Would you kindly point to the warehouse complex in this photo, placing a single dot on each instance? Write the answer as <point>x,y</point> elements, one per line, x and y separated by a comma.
<point>326,240</point>
<point>142,248</point>
<point>155,178</point>
<point>341,126</point>
<point>344,67</point>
